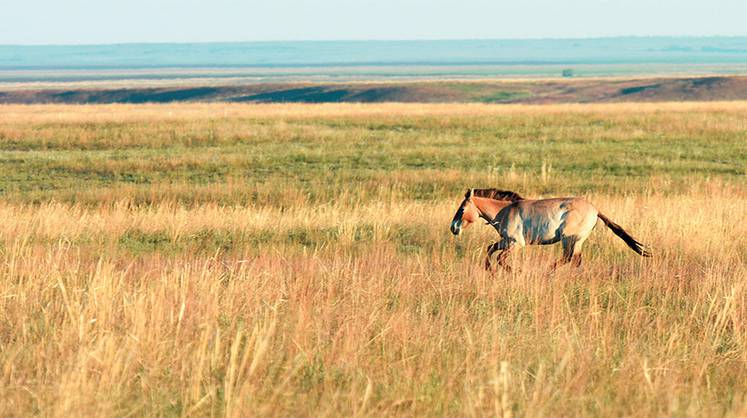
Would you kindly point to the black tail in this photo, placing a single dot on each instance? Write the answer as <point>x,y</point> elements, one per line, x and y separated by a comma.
<point>632,243</point>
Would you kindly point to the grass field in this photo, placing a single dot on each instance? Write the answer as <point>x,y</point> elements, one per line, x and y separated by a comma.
<point>241,260</point>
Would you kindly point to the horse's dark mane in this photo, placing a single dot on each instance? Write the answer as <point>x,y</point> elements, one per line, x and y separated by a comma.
<point>498,194</point>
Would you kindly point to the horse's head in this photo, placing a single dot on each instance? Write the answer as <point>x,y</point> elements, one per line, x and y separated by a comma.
<point>465,215</point>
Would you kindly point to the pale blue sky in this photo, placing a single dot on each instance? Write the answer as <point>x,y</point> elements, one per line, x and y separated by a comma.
<point>118,21</point>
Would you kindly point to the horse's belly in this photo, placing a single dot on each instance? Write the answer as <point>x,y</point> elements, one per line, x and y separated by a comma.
<point>541,233</point>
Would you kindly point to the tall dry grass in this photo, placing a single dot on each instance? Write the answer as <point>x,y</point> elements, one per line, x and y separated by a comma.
<point>354,322</point>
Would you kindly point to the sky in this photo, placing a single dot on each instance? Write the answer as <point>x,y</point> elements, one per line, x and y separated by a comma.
<point>29,22</point>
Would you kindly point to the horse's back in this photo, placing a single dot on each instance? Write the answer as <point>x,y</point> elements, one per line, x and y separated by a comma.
<point>548,220</point>
<point>558,205</point>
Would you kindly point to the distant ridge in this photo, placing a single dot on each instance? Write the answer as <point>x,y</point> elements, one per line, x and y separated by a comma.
<point>541,91</point>
<point>623,50</point>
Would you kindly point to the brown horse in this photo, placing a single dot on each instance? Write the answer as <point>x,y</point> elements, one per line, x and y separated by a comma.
<point>521,222</point>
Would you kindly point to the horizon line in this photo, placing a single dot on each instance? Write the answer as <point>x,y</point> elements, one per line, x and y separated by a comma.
<point>571,38</point>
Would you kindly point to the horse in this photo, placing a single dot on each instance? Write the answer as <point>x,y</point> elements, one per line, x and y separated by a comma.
<point>521,222</point>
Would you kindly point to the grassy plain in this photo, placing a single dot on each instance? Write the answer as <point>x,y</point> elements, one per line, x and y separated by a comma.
<point>238,260</point>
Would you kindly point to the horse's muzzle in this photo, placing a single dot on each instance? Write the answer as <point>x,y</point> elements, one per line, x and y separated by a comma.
<point>456,227</point>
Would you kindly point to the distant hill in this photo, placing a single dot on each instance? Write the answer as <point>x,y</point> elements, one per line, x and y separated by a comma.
<point>614,50</point>
<point>540,91</point>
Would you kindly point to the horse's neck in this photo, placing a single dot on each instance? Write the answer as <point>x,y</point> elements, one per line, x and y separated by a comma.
<point>489,207</point>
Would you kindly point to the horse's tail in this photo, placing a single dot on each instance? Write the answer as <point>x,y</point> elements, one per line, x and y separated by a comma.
<point>632,243</point>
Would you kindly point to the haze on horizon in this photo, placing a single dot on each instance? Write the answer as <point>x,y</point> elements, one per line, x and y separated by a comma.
<point>34,22</point>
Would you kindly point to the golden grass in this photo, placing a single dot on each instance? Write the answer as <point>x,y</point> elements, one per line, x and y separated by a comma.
<point>366,307</point>
<point>201,111</point>
<point>356,327</point>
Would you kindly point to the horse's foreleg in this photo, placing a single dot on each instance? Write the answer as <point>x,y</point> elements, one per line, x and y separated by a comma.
<point>505,249</point>
<point>502,256</point>
<point>491,249</point>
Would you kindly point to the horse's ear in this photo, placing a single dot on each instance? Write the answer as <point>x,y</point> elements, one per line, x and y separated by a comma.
<point>469,193</point>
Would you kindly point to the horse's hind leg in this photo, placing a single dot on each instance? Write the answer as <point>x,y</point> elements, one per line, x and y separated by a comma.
<point>569,245</point>
<point>576,256</point>
<point>571,253</point>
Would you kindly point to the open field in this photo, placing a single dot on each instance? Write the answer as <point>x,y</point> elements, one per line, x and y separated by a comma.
<point>234,259</point>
